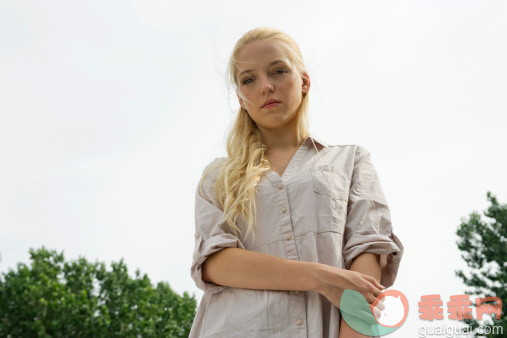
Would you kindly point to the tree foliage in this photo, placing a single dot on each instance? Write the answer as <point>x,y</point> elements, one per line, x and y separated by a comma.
<point>483,244</point>
<point>54,298</point>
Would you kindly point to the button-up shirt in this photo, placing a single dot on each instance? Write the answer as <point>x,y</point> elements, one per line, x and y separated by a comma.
<point>327,207</point>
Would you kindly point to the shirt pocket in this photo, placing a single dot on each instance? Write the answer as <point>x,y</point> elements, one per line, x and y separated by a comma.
<point>330,188</point>
<point>327,180</point>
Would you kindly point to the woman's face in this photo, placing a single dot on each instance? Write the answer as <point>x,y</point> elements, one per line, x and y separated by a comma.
<point>265,72</point>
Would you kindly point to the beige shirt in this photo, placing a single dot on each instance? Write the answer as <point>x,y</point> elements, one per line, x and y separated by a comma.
<point>327,207</point>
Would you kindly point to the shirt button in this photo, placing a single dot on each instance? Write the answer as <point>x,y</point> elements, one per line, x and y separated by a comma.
<point>299,322</point>
<point>196,235</point>
<point>297,292</point>
<point>284,210</point>
<point>280,186</point>
<point>288,237</point>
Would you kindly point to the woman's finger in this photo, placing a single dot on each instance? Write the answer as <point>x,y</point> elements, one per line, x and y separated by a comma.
<point>375,291</point>
<point>377,313</point>
<point>381,304</point>
<point>374,282</point>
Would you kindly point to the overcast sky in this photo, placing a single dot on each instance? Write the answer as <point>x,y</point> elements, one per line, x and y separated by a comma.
<point>109,111</point>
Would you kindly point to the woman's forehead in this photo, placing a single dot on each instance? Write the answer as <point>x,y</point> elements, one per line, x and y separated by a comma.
<point>260,54</point>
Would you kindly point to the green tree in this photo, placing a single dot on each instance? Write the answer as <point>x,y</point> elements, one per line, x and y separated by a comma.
<point>483,244</point>
<point>54,298</point>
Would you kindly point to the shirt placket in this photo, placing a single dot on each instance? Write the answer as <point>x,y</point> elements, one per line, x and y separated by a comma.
<point>298,304</point>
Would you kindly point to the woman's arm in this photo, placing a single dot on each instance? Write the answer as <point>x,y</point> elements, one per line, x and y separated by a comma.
<point>254,270</point>
<point>368,264</point>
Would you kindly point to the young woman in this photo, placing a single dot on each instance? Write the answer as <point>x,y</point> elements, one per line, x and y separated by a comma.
<point>286,222</point>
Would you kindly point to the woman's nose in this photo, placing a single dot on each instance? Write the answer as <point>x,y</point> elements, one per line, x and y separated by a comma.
<point>267,85</point>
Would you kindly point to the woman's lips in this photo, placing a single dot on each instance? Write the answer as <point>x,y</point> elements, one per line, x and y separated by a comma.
<point>274,104</point>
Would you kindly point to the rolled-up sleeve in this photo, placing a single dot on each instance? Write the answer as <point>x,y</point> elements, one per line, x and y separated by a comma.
<point>368,227</point>
<point>211,234</point>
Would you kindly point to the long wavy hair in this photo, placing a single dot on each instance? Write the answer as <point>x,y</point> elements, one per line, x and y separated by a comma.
<point>239,173</point>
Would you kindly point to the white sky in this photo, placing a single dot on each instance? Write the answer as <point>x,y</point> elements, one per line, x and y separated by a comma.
<point>109,111</point>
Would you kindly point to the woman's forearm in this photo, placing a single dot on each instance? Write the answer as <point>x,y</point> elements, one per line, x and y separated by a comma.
<point>247,269</point>
<point>369,264</point>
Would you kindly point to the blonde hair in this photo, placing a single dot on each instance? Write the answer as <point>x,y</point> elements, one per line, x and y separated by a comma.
<point>246,162</point>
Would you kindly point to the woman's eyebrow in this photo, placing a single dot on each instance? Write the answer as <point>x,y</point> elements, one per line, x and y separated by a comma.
<point>272,63</point>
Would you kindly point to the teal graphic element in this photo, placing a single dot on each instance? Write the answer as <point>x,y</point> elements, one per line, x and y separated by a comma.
<point>356,312</point>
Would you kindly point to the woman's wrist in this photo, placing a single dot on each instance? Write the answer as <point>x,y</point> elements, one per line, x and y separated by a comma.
<point>320,273</point>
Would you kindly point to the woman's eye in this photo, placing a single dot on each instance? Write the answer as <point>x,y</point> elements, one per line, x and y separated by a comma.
<point>281,71</point>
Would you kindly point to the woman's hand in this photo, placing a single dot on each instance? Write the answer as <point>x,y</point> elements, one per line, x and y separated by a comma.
<point>333,281</point>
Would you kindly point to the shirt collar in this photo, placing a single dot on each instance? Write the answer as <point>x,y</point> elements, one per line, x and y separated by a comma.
<point>308,141</point>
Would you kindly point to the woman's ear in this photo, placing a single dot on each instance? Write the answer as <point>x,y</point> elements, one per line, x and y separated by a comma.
<point>306,82</point>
